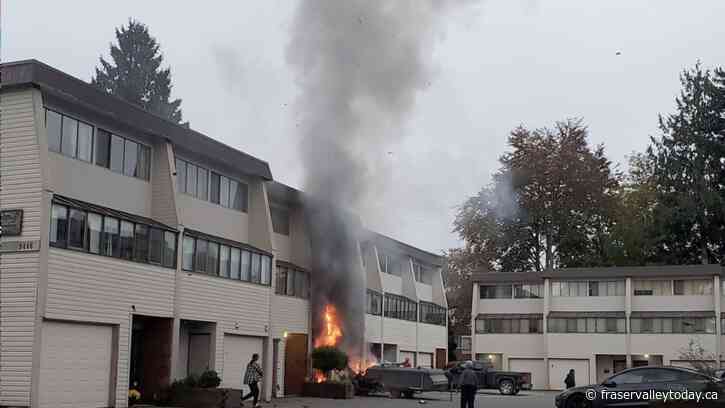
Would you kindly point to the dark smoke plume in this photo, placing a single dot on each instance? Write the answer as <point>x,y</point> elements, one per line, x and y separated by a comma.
<point>359,64</point>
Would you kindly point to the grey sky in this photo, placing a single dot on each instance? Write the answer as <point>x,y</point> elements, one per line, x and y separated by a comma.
<point>498,64</point>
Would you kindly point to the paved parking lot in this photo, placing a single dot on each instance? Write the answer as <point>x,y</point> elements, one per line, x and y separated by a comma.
<point>531,399</point>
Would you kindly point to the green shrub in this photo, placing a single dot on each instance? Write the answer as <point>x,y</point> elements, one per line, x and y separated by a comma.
<point>190,381</point>
<point>328,358</point>
<point>209,379</point>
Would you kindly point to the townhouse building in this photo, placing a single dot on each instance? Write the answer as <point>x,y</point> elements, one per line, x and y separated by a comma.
<point>596,321</point>
<point>135,252</point>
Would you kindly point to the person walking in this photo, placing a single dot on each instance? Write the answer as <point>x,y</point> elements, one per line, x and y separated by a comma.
<point>570,380</point>
<point>469,385</point>
<point>252,376</point>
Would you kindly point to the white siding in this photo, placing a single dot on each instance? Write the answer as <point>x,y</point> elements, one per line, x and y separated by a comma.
<point>672,303</point>
<point>581,345</point>
<point>289,314</point>
<point>524,306</point>
<point>425,291</point>
<point>213,219</point>
<point>163,200</point>
<point>400,332</point>
<point>372,328</point>
<point>588,303</point>
<point>93,288</point>
<point>511,345</point>
<point>392,284</point>
<point>22,185</point>
<point>431,337</point>
<point>282,250</point>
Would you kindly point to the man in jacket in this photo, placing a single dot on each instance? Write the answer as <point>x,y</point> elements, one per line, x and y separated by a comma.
<point>570,380</point>
<point>469,385</point>
<point>252,376</point>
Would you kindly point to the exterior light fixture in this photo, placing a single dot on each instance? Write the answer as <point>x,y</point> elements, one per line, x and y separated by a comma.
<point>285,334</point>
<point>490,356</point>
<point>646,356</point>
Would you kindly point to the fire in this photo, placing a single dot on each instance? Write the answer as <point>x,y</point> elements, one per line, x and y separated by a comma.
<point>332,331</point>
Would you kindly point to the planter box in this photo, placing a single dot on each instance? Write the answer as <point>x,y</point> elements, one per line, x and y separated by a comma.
<point>205,398</point>
<point>328,390</point>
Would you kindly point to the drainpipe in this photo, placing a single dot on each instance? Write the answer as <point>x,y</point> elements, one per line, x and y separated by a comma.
<point>717,298</point>
<point>627,315</point>
<point>545,326</point>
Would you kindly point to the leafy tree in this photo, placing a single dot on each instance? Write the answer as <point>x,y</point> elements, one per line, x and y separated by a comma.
<point>689,175</point>
<point>135,72</point>
<point>328,358</point>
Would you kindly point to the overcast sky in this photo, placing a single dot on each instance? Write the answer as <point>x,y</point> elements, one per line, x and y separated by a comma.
<point>498,64</point>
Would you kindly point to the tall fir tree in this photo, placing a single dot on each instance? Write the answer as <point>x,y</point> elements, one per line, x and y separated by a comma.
<point>135,72</point>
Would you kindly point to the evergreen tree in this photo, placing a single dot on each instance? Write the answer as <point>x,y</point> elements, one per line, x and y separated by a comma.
<point>135,72</point>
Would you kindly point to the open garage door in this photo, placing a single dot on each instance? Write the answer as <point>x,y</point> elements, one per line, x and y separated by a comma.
<point>535,366</point>
<point>238,352</point>
<point>75,365</point>
<point>425,360</point>
<point>559,368</point>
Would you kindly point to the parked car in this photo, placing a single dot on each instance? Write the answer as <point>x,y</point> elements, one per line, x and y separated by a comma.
<point>507,382</point>
<point>399,381</point>
<point>644,379</point>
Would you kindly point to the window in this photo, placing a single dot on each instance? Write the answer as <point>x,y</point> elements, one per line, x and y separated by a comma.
<point>280,220</point>
<point>587,325</point>
<point>200,256</point>
<point>432,313</point>
<point>187,260</point>
<point>117,146</point>
<point>77,229</point>
<point>111,243</point>
<point>69,137</point>
<point>235,262</point>
<point>374,303</point>
<point>528,291</point>
<point>224,255</point>
<point>290,282</point>
<point>212,259</point>
<point>246,266</point>
<point>130,158</point>
<point>169,249</point>
<point>141,246</point>
<point>652,287</point>
<point>126,239</point>
<point>700,325</point>
<point>496,292</point>
<point>53,126</point>
<point>400,307</point>
<point>217,259</point>
<point>190,179</point>
<point>384,260</point>
<point>120,155</point>
<point>143,162</point>
<point>214,188</point>
<point>180,176</point>
<point>59,225</point>
<point>267,276</point>
<point>156,246</point>
<point>202,184</point>
<point>530,325</point>
<point>224,192</point>
<point>85,141</point>
<point>103,145</point>
<point>94,223</point>
<point>281,284</point>
<point>238,195</point>
<point>209,186</point>
<point>693,287</point>
<point>256,268</point>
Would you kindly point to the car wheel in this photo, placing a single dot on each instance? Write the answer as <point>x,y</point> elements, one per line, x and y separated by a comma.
<point>395,393</point>
<point>506,387</point>
<point>577,401</point>
<point>408,394</point>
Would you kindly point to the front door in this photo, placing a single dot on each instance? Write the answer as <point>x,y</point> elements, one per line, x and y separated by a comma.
<point>295,363</point>
<point>441,358</point>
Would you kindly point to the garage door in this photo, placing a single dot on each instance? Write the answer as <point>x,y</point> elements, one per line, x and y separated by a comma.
<point>238,352</point>
<point>425,360</point>
<point>535,366</point>
<point>410,355</point>
<point>75,365</point>
<point>559,368</point>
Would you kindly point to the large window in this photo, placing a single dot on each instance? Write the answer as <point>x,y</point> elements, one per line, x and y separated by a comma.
<point>206,185</point>
<point>280,220</point>
<point>123,155</point>
<point>505,325</point>
<point>432,313</point>
<point>292,282</point>
<point>682,325</point>
<point>587,288</point>
<point>400,307</point>
<point>223,259</point>
<point>587,325</point>
<point>422,273</point>
<point>652,287</point>
<point>496,291</point>
<point>69,136</point>
<point>693,287</point>
<point>529,291</point>
<point>79,229</point>
<point>374,303</point>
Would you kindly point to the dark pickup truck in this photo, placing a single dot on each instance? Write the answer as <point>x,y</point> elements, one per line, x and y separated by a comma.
<point>507,382</point>
<point>399,381</point>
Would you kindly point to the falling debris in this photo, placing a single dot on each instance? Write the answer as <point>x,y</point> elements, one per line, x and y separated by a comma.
<point>619,52</point>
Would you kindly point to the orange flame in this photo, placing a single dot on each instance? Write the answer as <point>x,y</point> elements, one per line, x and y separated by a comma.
<point>332,332</point>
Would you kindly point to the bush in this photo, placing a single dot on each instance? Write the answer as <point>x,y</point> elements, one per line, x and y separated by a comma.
<point>190,381</point>
<point>209,379</point>
<point>328,358</point>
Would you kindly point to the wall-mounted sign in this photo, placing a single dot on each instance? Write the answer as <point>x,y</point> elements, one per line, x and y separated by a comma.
<point>11,222</point>
<point>28,245</point>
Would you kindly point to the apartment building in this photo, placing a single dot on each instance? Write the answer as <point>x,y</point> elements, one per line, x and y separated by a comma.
<point>406,307</point>
<point>137,251</point>
<point>596,321</point>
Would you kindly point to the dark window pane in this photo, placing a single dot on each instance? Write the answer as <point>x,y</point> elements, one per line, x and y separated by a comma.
<point>200,256</point>
<point>256,268</point>
<point>300,284</point>
<point>224,255</point>
<point>53,128</point>
<point>191,179</point>
<point>59,225</point>
<point>290,282</point>
<point>233,188</point>
<point>239,196</point>
<point>156,246</point>
<point>77,229</point>
<point>246,265</point>
<point>180,176</point>
<point>141,247</point>
<point>111,245</point>
<point>130,158</point>
<point>169,249</point>
<point>187,260</point>
<point>103,148</point>
<point>280,220</point>
<point>127,240</point>
<point>69,138</point>
<point>117,146</point>
<point>202,184</point>
<point>214,188</point>
<point>224,192</point>
<point>85,141</point>
<point>281,281</point>
<point>212,261</point>
<point>93,233</point>
<point>266,270</point>
<point>236,259</point>
<point>143,165</point>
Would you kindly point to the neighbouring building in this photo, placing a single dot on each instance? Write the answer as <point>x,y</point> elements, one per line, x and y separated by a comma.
<point>137,251</point>
<point>596,321</point>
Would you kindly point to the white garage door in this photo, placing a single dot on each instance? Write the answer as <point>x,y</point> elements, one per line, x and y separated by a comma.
<point>535,366</point>
<point>425,359</point>
<point>559,368</point>
<point>75,365</point>
<point>409,355</point>
<point>238,352</point>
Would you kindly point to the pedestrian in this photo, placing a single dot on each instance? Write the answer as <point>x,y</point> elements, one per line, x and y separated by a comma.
<point>252,376</point>
<point>468,384</point>
<point>406,363</point>
<point>570,379</point>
